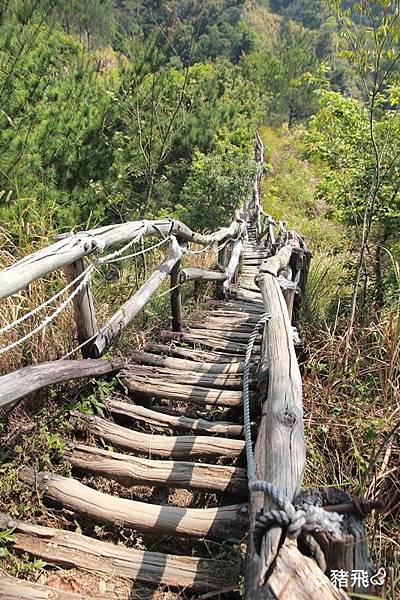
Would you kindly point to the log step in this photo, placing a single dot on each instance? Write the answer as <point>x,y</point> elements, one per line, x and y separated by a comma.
<point>234,336</point>
<point>177,392</point>
<point>159,419</point>
<point>193,354</point>
<point>12,588</point>
<point>181,447</point>
<point>71,550</point>
<point>238,318</point>
<point>224,381</point>
<point>221,325</point>
<point>209,342</point>
<point>156,360</point>
<point>211,523</point>
<point>130,470</point>
<point>250,307</point>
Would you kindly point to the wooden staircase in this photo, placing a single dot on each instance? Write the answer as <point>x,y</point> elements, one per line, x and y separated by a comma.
<point>178,426</point>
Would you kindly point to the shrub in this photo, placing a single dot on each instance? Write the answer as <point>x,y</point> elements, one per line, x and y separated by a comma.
<point>218,184</point>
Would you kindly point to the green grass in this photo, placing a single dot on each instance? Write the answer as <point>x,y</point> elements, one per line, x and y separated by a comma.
<point>288,192</point>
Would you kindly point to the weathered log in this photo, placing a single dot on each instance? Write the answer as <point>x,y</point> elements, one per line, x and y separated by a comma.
<point>164,420</point>
<point>233,265</point>
<point>134,305</point>
<point>74,550</point>
<point>12,588</point>
<point>179,447</point>
<point>156,360</point>
<point>347,551</point>
<point>237,306</point>
<point>211,523</point>
<point>225,381</point>
<point>249,285</point>
<point>297,577</point>
<point>19,384</point>
<point>85,318</point>
<point>279,261</point>
<point>193,274</point>
<point>231,335</point>
<point>72,248</point>
<point>247,296</point>
<point>202,396</point>
<point>234,316</point>
<point>209,342</point>
<point>235,319</point>
<point>130,470</point>
<point>221,326</point>
<point>269,230</point>
<point>176,297</point>
<point>193,354</point>
<point>282,459</point>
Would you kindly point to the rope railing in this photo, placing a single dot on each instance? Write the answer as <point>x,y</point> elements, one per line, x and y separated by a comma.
<point>69,252</point>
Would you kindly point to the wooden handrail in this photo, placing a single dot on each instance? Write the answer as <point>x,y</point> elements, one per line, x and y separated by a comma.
<point>71,248</point>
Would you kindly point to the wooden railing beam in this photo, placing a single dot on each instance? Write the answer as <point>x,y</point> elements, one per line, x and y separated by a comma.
<point>85,318</point>
<point>134,305</point>
<point>72,248</point>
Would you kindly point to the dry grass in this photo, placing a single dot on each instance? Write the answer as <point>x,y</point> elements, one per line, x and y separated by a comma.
<point>112,286</point>
<point>353,423</point>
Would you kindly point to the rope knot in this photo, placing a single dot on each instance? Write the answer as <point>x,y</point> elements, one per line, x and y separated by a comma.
<point>293,520</point>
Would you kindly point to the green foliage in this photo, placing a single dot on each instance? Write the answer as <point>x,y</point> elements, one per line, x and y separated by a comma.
<point>6,537</point>
<point>289,192</point>
<point>88,18</point>
<point>197,31</point>
<point>281,72</point>
<point>95,137</point>
<point>218,183</point>
<point>163,121</point>
<point>93,402</point>
<point>339,138</point>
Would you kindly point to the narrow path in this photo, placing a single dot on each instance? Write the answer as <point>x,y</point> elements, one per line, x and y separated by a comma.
<point>178,426</point>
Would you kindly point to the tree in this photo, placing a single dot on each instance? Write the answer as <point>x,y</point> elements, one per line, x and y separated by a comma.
<point>281,73</point>
<point>361,138</point>
<point>217,185</point>
<point>93,20</point>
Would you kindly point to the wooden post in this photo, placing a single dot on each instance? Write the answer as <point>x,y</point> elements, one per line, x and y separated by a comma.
<point>85,318</point>
<point>176,293</point>
<point>300,262</point>
<point>223,257</point>
<point>176,297</point>
<point>347,551</point>
<point>289,293</point>
<point>233,265</point>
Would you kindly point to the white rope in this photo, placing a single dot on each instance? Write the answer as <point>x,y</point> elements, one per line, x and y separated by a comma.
<point>47,302</point>
<point>194,252</point>
<point>212,243</point>
<point>84,276</point>
<point>139,253</point>
<point>106,259</point>
<point>169,290</point>
<point>134,240</point>
<point>47,320</point>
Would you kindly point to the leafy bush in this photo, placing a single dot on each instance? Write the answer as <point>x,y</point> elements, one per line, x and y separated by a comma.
<point>218,183</point>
